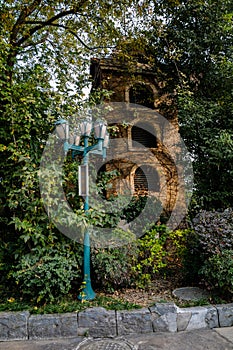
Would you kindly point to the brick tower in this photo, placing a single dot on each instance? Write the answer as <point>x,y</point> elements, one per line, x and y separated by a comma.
<point>144,161</point>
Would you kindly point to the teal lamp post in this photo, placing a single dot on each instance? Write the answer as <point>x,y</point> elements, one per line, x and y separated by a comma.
<point>71,141</point>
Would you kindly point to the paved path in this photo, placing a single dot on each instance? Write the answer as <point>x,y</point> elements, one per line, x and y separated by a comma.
<point>216,339</point>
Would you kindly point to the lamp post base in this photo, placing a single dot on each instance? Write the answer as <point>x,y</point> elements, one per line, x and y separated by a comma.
<point>87,292</point>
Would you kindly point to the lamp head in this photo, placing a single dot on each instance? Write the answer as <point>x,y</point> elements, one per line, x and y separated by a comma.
<point>62,129</point>
<point>75,137</point>
<point>100,129</point>
<point>86,127</point>
<point>106,140</point>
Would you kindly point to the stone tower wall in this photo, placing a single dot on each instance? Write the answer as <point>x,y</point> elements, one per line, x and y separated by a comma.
<point>112,75</point>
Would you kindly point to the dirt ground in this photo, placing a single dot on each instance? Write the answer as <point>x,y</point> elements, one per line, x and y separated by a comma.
<point>159,291</point>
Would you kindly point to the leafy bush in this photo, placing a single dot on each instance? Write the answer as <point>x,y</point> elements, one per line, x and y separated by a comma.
<point>214,247</point>
<point>214,231</point>
<point>191,259</point>
<point>112,267</point>
<point>137,263</point>
<point>159,251</point>
<point>150,257</point>
<point>47,274</point>
<point>218,271</point>
<point>176,248</point>
<point>140,223</point>
<point>134,208</point>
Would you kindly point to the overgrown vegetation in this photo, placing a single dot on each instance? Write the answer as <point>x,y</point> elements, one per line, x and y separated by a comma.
<point>42,278</point>
<point>45,49</point>
<point>213,250</point>
<point>67,304</point>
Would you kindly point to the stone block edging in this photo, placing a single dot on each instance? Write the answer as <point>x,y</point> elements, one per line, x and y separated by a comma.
<point>98,322</point>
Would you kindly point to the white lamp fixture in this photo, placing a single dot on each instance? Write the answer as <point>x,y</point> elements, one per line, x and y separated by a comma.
<point>76,136</point>
<point>62,129</point>
<point>77,140</point>
<point>71,139</point>
<point>86,127</point>
<point>106,140</point>
<point>100,128</point>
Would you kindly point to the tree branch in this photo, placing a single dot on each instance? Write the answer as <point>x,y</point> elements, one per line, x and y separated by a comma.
<point>44,24</point>
<point>42,40</point>
<point>27,11</point>
<point>49,22</point>
<point>79,39</point>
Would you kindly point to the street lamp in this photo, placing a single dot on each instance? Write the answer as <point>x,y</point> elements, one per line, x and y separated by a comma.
<point>71,141</point>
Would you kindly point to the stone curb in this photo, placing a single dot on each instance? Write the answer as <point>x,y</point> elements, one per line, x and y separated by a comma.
<point>97,322</point>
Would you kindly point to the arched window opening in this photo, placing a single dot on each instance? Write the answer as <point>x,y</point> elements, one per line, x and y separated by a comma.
<point>142,137</point>
<point>146,179</point>
<point>140,181</point>
<point>142,94</point>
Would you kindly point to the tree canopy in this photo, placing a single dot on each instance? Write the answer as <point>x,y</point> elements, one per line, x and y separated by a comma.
<point>45,51</point>
<point>193,48</point>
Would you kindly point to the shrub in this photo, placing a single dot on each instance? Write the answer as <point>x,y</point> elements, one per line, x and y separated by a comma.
<point>47,274</point>
<point>140,223</point>
<point>159,251</point>
<point>134,208</point>
<point>218,271</point>
<point>150,257</point>
<point>112,267</point>
<point>214,231</point>
<point>176,248</point>
<point>191,259</point>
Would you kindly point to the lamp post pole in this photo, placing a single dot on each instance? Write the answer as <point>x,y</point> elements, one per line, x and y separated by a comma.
<point>87,292</point>
<point>71,142</point>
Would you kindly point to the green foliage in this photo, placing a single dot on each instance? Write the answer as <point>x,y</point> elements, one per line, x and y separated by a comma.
<point>46,275</point>
<point>204,67</point>
<point>150,257</point>
<point>191,260</point>
<point>176,249</point>
<point>209,251</point>
<point>207,133</point>
<point>217,272</point>
<point>134,208</point>
<point>201,302</point>
<point>159,251</point>
<point>149,207</point>
<point>191,46</point>
<point>112,267</point>
<point>67,304</point>
<point>131,210</point>
<point>214,231</point>
<point>45,50</point>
